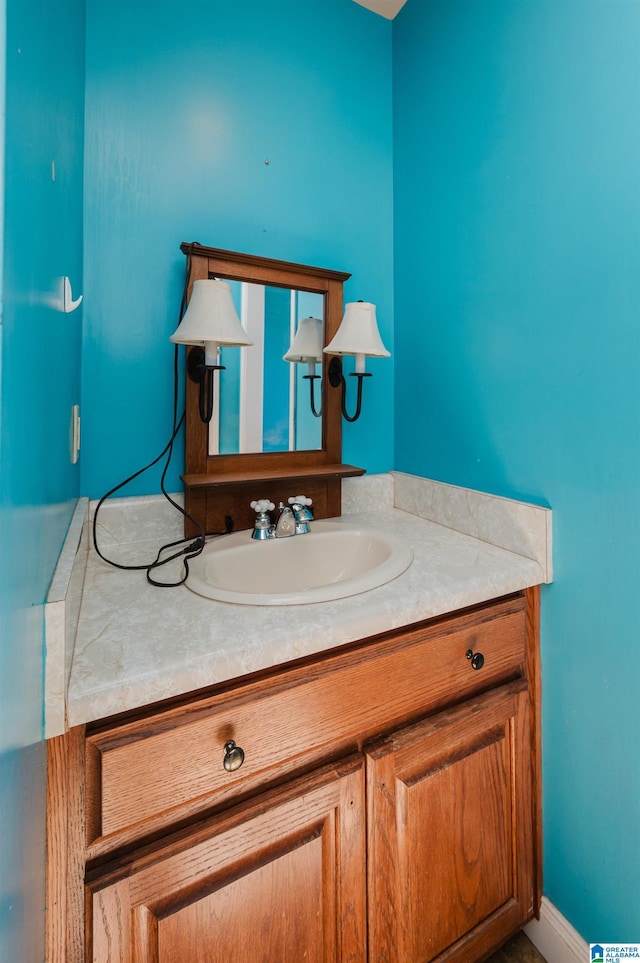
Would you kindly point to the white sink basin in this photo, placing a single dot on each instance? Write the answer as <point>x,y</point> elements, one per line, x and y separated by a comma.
<point>332,561</point>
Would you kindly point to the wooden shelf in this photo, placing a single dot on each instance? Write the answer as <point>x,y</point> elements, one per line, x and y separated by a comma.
<point>221,479</point>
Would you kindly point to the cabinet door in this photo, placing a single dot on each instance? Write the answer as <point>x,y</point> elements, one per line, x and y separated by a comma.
<point>449,826</point>
<point>281,877</point>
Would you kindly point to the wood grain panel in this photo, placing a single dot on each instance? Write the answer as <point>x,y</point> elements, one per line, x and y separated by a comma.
<point>449,808</point>
<point>109,910</point>
<point>280,878</point>
<point>154,766</point>
<point>65,828</point>
<point>282,898</point>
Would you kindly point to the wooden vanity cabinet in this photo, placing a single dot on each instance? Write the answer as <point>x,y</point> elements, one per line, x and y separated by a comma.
<point>387,808</point>
<point>449,832</point>
<point>279,878</point>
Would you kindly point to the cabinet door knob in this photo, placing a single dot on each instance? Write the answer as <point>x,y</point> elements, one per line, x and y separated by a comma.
<point>233,756</point>
<point>476,658</point>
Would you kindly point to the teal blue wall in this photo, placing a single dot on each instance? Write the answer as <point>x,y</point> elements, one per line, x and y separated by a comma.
<point>40,380</point>
<point>517,340</point>
<point>183,107</point>
<point>516,149</point>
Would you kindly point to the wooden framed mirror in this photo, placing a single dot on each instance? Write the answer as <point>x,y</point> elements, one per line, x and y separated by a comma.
<point>252,454</point>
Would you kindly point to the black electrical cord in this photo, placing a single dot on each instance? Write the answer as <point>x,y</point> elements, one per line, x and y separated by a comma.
<point>192,546</point>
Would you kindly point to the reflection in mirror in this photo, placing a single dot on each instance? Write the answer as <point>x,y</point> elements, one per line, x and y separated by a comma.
<point>262,402</point>
<point>307,348</point>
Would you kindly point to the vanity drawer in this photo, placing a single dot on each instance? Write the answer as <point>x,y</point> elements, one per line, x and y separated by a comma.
<point>170,764</point>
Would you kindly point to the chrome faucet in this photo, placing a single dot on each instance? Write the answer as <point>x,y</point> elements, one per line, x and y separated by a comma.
<point>262,527</point>
<point>302,513</point>
<point>293,520</point>
<point>286,524</point>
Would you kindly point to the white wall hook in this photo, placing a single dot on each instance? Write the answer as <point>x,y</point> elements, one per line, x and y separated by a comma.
<point>68,304</point>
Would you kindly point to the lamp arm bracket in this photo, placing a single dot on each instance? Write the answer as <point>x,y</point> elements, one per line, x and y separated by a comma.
<point>202,375</point>
<point>337,380</point>
<point>312,378</point>
<point>196,367</point>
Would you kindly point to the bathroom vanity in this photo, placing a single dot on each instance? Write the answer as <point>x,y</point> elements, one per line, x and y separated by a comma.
<point>347,780</point>
<point>387,804</point>
<point>386,807</point>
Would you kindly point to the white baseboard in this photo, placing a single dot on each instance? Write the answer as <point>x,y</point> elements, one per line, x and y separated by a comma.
<point>554,936</point>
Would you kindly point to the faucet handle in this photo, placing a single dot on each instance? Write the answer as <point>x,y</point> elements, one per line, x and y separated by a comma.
<point>300,500</point>
<point>262,505</point>
<point>302,511</point>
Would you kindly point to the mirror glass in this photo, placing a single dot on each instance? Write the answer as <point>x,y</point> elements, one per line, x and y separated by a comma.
<point>262,402</point>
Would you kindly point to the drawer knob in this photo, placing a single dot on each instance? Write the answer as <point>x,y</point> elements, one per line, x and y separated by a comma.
<point>233,756</point>
<point>476,658</point>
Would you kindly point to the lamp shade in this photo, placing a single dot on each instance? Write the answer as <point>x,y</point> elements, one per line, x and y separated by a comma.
<point>358,333</point>
<point>307,342</point>
<point>210,317</point>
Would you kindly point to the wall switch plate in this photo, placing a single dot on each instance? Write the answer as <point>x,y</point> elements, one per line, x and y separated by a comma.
<point>74,434</point>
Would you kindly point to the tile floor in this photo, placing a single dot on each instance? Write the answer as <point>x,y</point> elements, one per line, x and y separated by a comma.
<point>519,949</point>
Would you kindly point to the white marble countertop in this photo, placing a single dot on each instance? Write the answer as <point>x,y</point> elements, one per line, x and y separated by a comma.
<point>136,644</point>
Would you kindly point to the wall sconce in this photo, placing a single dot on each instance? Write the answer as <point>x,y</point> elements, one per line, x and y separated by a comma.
<point>209,322</point>
<point>306,348</point>
<point>358,335</point>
